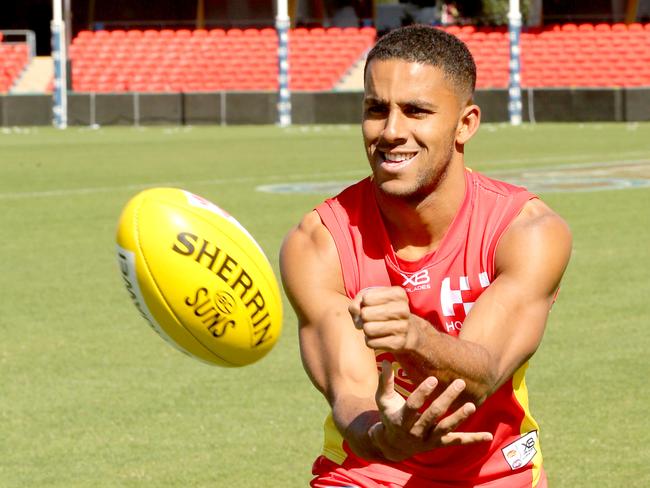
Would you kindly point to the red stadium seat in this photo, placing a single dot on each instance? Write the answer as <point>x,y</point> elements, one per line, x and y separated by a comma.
<point>584,55</point>
<point>368,32</point>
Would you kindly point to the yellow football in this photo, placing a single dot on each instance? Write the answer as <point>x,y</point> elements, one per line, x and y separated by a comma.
<point>198,277</point>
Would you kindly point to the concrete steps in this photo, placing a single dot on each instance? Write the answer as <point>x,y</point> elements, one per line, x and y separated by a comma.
<point>36,77</point>
<point>353,79</point>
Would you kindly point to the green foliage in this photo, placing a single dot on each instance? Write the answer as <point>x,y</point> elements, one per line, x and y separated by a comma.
<point>91,397</point>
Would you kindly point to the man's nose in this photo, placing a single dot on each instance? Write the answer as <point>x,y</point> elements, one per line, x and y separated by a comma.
<point>395,130</point>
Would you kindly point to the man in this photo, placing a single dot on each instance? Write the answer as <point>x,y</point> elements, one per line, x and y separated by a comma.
<point>440,277</point>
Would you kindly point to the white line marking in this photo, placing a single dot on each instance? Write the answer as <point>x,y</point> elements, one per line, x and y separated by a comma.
<point>579,159</point>
<point>297,177</point>
<point>221,181</point>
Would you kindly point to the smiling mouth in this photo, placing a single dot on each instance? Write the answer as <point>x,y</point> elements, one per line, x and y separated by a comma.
<point>396,160</point>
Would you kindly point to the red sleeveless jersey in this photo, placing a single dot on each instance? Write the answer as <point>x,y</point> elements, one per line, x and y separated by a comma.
<point>442,286</point>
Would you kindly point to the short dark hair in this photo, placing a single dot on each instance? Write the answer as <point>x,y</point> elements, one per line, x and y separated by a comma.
<point>427,45</point>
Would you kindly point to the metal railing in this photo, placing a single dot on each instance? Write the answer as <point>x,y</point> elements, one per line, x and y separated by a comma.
<point>25,35</point>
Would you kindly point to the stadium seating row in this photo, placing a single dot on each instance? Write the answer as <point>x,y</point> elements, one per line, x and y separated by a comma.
<point>245,59</point>
<point>570,55</point>
<point>234,59</point>
<point>13,59</point>
<point>573,55</point>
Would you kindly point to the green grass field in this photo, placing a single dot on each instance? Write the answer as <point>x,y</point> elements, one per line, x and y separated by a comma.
<point>91,397</point>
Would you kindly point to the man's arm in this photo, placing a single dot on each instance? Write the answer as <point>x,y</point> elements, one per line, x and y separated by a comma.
<point>504,327</point>
<point>376,422</point>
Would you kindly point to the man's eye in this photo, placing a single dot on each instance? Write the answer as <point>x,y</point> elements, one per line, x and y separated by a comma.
<point>375,110</point>
<point>415,111</point>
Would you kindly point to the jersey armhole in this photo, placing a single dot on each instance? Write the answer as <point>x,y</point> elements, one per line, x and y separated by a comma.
<point>519,201</point>
<point>344,246</point>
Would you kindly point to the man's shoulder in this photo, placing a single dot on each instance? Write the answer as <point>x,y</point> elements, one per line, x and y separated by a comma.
<point>354,192</point>
<point>349,204</point>
<point>492,185</point>
<point>537,226</point>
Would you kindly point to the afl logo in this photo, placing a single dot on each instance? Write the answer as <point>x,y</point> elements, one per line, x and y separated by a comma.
<point>224,302</point>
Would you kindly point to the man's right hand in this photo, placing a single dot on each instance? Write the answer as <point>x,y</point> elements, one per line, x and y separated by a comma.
<point>403,431</point>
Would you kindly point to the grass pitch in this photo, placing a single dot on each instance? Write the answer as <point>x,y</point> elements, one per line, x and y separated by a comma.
<point>90,397</point>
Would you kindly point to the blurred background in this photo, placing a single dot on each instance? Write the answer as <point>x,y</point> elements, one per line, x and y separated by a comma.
<point>257,108</point>
<point>576,60</point>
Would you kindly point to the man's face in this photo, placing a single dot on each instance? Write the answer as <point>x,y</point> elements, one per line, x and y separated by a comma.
<point>410,120</point>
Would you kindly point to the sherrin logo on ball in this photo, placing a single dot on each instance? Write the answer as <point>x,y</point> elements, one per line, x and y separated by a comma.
<point>198,278</point>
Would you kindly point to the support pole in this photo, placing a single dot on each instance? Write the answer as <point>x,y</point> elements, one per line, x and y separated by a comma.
<point>59,56</point>
<point>514,88</point>
<point>282,23</point>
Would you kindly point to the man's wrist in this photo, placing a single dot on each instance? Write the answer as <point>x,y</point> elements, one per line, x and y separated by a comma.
<point>419,330</point>
<point>360,433</point>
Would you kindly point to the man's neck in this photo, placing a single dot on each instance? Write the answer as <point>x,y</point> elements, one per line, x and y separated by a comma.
<point>417,228</point>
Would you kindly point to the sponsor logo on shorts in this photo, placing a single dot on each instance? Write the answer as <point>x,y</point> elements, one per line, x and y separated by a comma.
<point>519,453</point>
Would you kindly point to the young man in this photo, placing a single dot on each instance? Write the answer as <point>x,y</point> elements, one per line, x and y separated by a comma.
<point>440,277</point>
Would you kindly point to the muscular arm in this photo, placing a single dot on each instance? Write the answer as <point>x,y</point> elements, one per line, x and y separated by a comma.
<point>506,324</point>
<point>333,352</point>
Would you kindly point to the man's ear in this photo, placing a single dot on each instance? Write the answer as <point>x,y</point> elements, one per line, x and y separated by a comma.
<point>468,124</point>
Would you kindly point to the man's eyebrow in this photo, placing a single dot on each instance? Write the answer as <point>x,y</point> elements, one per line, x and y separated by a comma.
<point>419,103</point>
<point>374,100</point>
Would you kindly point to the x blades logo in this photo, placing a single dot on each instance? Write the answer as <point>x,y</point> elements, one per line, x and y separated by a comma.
<point>520,452</point>
<point>416,281</point>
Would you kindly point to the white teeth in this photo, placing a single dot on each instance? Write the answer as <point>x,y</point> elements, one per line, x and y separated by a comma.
<point>398,157</point>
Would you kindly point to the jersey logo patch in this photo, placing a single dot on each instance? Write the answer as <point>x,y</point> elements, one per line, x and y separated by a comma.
<point>450,297</point>
<point>416,281</point>
<point>520,452</point>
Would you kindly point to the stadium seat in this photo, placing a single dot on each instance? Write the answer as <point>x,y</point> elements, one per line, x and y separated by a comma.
<point>558,55</point>
<point>144,59</point>
<point>13,60</point>
<point>217,33</point>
